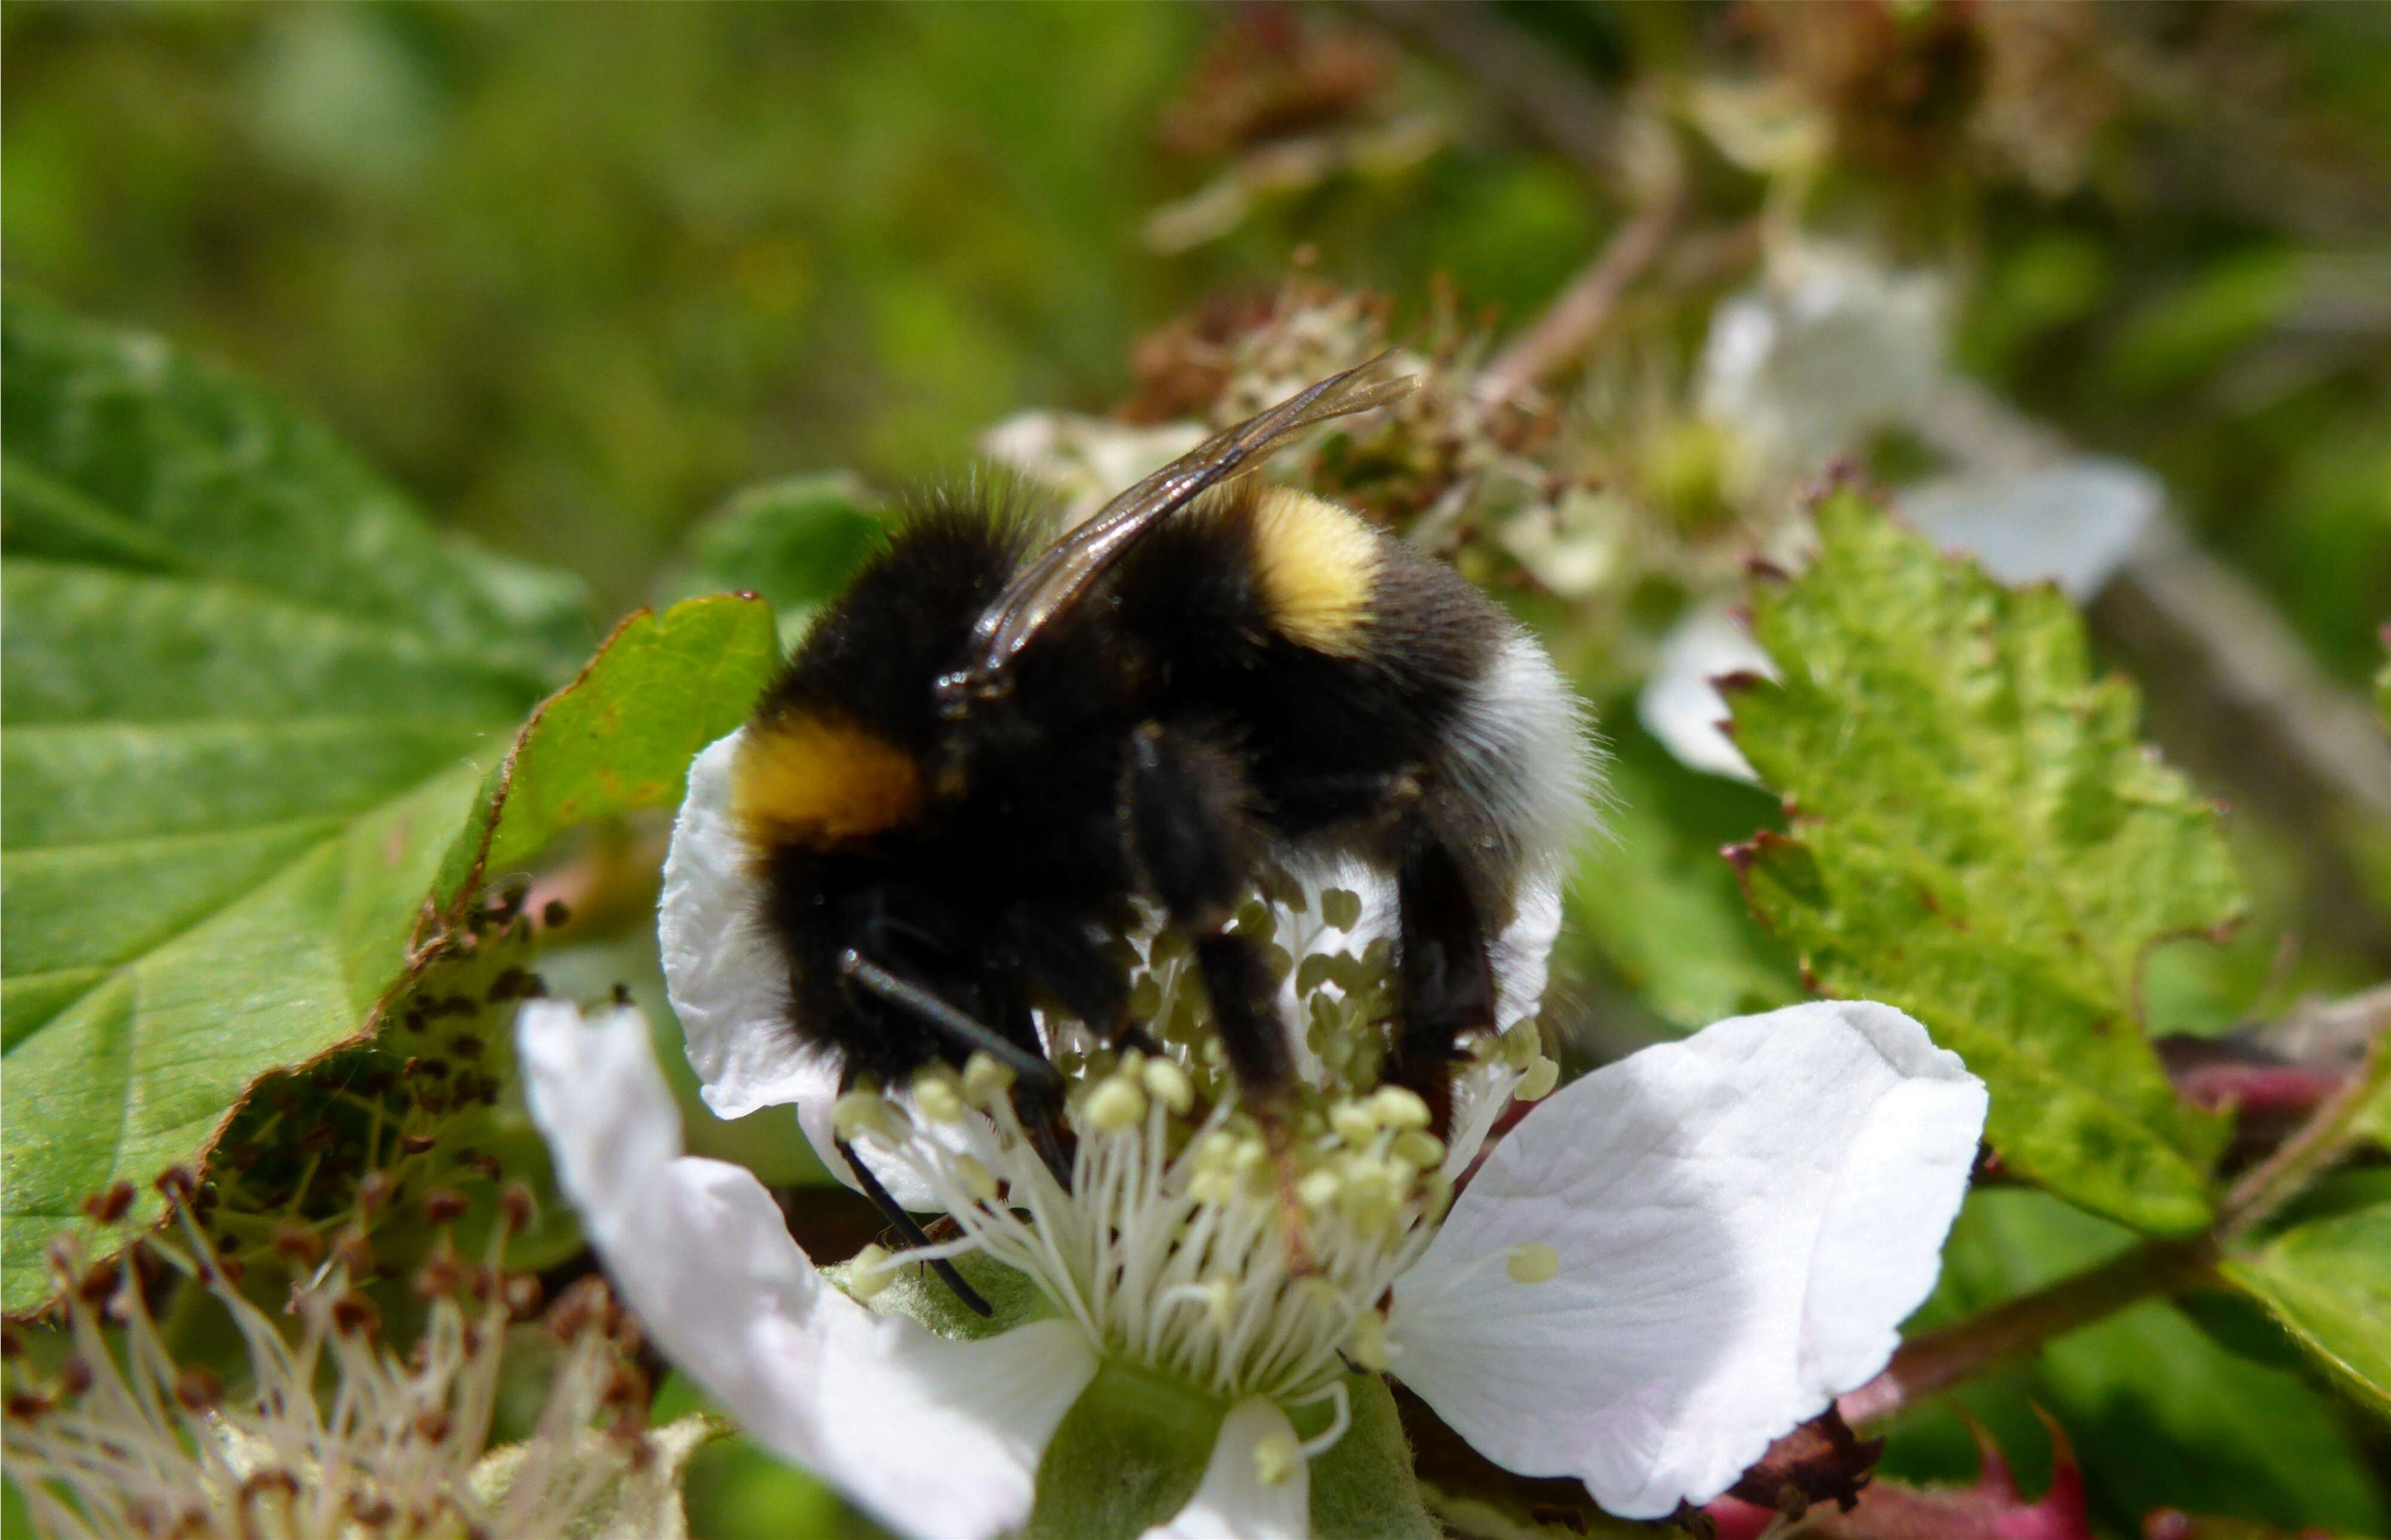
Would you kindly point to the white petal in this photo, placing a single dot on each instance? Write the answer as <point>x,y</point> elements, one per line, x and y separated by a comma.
<point>728,982</point>
<point>1232,1502</point>
<point>2072,523</point>
<point>729,985</point>
<point>937,1438</point>
<point>1832,346</point>
<point>1680,706</point>
<point>1744,1220</point>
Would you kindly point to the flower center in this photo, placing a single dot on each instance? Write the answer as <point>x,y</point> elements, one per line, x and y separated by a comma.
<point>1179,1245</point>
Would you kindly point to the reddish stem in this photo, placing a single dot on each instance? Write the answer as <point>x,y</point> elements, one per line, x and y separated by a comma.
<point>1932,1364</point>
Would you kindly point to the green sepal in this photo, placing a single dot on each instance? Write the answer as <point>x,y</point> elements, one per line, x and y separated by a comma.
<point>1126,1457</point>
<point>1362,1487</point>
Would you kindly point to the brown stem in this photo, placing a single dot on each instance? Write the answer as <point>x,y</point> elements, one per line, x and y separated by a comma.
<point>1570,323</point>
<point>2302,1157</point>
<point>1931,1363</point>
<point>1548,96</point>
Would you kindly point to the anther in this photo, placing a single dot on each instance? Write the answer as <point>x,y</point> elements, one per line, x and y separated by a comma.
<point>354,1315</point>
<point>978,1179</point>
<point>198,1389</point>
<point>1398,1106</point>
<point>1167,1083</point>
<point>1534,1262</point>
<point>108,1207</point>
<point>859,1112</point>
<point>1115,1107</point>
<point>869,1273</point>
<point>938,1100</point>
<point>1275,1457</point>
<point>986,1081</point>
<point>295,1243</point>
<point>522,1294</point>
<point>1365,1341</point>
<point>1353,1123</point>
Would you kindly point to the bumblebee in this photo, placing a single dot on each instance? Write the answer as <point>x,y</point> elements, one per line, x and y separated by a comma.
<point>991,743</point>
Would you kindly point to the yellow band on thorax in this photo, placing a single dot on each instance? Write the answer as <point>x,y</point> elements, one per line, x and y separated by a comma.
<point>806,780</point>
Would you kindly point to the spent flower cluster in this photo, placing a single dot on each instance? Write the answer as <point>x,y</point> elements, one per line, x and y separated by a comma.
<point>330,1432</point>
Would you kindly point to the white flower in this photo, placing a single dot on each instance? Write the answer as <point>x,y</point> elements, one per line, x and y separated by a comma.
<point>1680,703</point>
<point>1662,1268</point>
<point>1829,347</point>
<point>2072,523</point>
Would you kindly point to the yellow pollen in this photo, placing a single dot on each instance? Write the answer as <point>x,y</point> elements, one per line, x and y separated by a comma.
<point>1115,1105</point>
<point>1534,1262</point>
<point>1275,1457</point>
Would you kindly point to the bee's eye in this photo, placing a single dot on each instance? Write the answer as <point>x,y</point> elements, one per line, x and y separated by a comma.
<point>953,694</point>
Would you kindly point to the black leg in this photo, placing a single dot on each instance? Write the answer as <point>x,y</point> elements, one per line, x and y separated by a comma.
<point>1197,843</point>
<point>1187,807</point>
<point>1038,1086</point>
<point>966,1034</point>
<point>1245,1011</point>
<point>907,1227</point>
<point>1446,974</point>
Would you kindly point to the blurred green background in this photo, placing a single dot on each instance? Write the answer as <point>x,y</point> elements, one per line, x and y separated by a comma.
<point>572,274</point>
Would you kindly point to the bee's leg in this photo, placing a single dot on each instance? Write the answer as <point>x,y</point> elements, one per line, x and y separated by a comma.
<point>1446,974</point>
<point>1194,838</point>
<point>1037,1102</point>
<point>1038,1086</point>
<point>905,1224</point>
<point>1027,1064</point>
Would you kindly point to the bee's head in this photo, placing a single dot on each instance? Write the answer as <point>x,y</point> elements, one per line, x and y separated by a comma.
<point>966,699</point>
<point>958,693</point>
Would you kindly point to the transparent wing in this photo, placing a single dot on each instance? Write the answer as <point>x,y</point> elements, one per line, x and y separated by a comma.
<point>1060,576</point>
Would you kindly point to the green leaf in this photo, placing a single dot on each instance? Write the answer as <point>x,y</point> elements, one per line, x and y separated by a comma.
<point>2160,1414</point>
<point>1126,1457</point>
<point>1980,839</point>
<point>2329,1283</point>
<point>794,541</point>
<point>1653,899</point>
<point>245,693</point>
<point>621,735</point>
